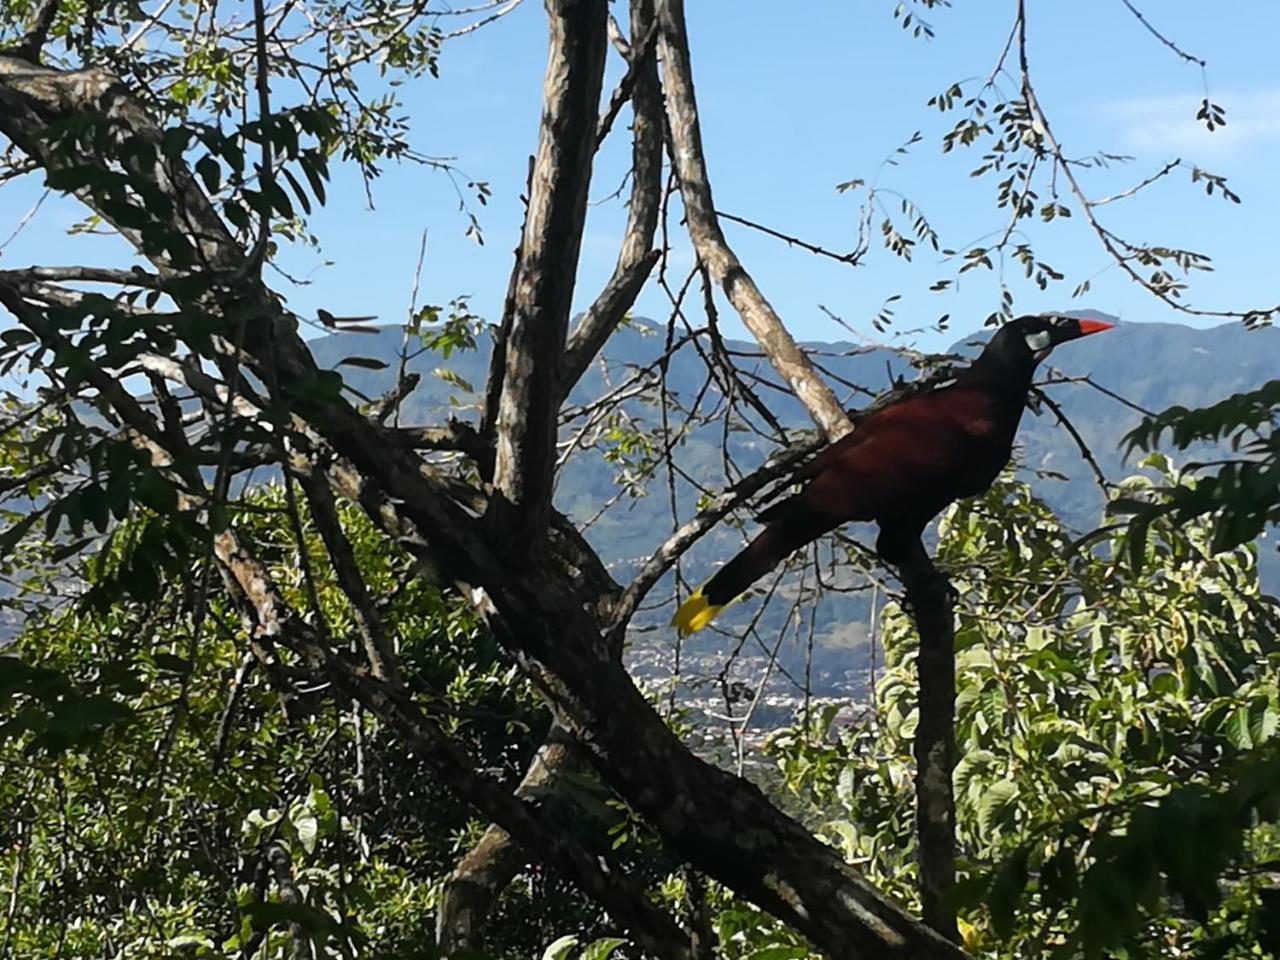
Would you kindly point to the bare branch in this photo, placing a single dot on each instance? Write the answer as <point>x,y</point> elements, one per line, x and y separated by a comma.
<point>1101,478</point>
<point>271,615</point>
<point>281,864</point>
<point>604,315</point>
<point>124,278</point>
<point>708,239</point>
<point>390,403</point>
<point>665,557</point>
<point>640,60</point>
<point>636,257</point>
<point>541,613</point>
<point>29,47</point>
<point>1190,58</point>
<point>1122,253</point>
<point>1164,171</point>
<point>324,512</point>
<point>852,258</point>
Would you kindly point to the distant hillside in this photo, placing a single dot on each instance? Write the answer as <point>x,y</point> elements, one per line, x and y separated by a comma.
<point>1152,365</point>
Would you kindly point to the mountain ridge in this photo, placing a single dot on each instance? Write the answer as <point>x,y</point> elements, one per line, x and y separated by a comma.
<point>1151,366</point>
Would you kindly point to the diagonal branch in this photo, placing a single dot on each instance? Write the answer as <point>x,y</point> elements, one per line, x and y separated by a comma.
<point>486,869</point>
<point>324,512</point>
<point>665,557</point>
<point>709,241</point>
<point>30,46</point>
<point>268,613</point>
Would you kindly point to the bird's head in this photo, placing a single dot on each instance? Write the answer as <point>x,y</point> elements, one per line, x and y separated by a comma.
<point>1029,339</point>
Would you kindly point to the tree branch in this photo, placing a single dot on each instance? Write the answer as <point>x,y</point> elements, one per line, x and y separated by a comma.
<point>269,614</point>
<point>929,597</point>
<point>30,46</point>
<point>281,865</point>
<point>636,258</point>
<point>486,869</point>
<point>665,557</point>
<point>722,825</point>
<point>543,291</point>
<point>324,513</point>
<point>709,241</point>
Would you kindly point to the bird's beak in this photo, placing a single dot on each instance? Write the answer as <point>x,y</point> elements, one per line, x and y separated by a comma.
<point>1069,328</point>
<point>1093,326</point>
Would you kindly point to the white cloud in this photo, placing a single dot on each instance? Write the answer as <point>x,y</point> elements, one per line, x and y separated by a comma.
<point>1170,124</point>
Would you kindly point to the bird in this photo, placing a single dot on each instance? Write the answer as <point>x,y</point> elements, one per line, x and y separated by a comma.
<point>903,464</point>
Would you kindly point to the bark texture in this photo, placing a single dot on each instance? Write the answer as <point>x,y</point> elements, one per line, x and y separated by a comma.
<point>547,267</point>
<point>493,862</point>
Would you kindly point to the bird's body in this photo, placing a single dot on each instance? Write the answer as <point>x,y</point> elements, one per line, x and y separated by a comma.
<point>902,465</point>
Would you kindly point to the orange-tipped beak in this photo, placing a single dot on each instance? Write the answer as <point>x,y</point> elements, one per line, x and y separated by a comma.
<point>1093,326</point>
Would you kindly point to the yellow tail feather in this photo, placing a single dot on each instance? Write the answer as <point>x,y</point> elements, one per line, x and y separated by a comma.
<point>695,613</point>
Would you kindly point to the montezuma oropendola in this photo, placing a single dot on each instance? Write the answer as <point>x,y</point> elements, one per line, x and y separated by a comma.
<point>902,465</point>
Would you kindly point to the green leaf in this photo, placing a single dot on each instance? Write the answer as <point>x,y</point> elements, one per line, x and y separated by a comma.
<point>1237,729</point>
<point>601,949</point>
<point>995,800</point>
<point>1264,721</point>
<point>308,830</point>
<point>561,948</point>
<point>318,924</point>
<point>14,533</point>
<point>297,189</point>
<point>1006,890</point>
<point>237,214</point>
<point>779,951</point>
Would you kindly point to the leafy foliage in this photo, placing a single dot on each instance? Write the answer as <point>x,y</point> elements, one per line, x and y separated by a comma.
<point>1240,493</point>
<point>1117,782</point>
<point>147,772</point>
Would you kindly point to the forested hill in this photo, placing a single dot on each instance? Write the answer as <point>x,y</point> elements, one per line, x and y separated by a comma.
<point>1152,365</point>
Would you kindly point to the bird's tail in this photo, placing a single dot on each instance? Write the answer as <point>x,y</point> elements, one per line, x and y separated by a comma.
<point>792,529</point>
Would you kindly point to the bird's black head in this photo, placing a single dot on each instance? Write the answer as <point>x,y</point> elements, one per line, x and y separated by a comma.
<point>1028,340</point>
<point>1011,356</point>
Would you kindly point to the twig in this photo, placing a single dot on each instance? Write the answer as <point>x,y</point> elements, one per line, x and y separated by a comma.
<point>1103,483</point>
<point>1190,58</point>
<point>852,258</point>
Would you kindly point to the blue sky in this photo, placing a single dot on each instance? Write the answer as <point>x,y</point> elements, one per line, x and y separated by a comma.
<point>796,98</point>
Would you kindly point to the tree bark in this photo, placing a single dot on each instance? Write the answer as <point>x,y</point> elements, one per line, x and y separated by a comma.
<point>489,866</point>
<point>281,865</point>
<point>636,256</point>
<point>545,273</point>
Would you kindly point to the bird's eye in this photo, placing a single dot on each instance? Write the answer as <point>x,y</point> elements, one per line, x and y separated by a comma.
<point>1040,340</point>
